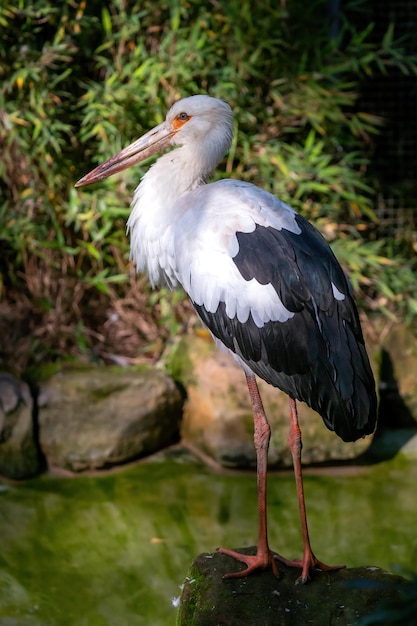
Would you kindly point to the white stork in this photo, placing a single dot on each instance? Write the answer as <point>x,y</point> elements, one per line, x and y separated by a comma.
<point>262,279</point>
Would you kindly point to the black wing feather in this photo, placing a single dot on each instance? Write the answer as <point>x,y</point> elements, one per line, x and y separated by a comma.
<point>317,356</point>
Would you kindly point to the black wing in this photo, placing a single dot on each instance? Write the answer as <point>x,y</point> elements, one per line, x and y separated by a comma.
<point>317,356</point>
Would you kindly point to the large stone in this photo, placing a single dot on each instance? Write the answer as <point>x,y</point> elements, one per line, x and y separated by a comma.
<point>19,456</point>
<point>97,417</point>
<point>218,417</point>
<point>342,598</point>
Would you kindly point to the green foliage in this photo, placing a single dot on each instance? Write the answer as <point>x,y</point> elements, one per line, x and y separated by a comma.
<point>80,80</point>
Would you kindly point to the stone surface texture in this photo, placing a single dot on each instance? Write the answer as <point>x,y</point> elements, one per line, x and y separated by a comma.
<point>342,598</point>
<point>98,417</point>
<point>19,455</point>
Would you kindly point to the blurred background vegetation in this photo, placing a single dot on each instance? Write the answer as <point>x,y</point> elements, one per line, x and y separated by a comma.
<point>309,83</point>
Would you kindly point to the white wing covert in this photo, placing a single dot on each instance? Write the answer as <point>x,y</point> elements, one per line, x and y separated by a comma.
<point>206,243</point>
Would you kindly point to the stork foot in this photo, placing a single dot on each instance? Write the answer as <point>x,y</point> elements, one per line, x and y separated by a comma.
<point>307,563</point>
<point>261,560</point>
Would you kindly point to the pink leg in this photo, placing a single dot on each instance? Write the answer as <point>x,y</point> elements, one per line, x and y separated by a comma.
<point>309,560</point>
<point>262,434</point>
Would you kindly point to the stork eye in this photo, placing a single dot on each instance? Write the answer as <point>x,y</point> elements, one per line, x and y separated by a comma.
<point>183,117</point>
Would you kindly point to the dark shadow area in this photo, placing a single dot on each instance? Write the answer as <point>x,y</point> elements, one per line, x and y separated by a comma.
<point>393,411</point>
<point>395,427</point>
<point>393,96</point>
<point>396,424</point>
<point>35,391</point>
<point>385,445</point>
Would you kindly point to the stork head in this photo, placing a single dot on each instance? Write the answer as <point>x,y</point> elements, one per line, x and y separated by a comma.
<point>202,123</point>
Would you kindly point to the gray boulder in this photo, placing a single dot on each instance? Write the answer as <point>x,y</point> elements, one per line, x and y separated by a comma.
<point>97,417</point>
<point>19,456</point>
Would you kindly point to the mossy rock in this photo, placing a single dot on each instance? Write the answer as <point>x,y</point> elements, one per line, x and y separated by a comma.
<point>342,598</point>
<point>97,417</point>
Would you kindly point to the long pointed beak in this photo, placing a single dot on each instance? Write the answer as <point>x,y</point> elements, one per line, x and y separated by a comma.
<point>156,140</point>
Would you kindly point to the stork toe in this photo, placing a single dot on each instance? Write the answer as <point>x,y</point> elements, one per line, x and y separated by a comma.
<point>308,563</point>
<point>260,560</point>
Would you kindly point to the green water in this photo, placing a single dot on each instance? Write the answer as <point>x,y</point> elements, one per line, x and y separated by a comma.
<point>113,550</point>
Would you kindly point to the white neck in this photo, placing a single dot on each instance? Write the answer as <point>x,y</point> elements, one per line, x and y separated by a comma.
<point>155,211</point>
<point>157,207</point>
